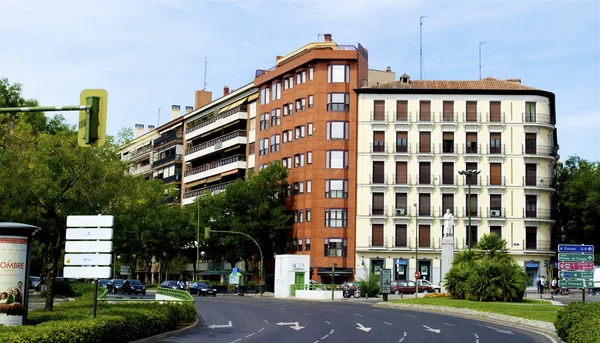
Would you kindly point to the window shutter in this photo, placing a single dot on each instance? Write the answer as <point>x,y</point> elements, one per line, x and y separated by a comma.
<point>495,201</point>
<point>401,200</point>
<point>424,173</point>
<point>495,115</point>
<point>378,136</point>
<point>378,172</point>
<point>495,173</point>
<point>495,135</point>
<point>530,174</point>
<point>401,110</point>
<point>448,111</point>
<point>401,168</point>
<point>425,110</point>
<point>448,203</point>
<point>448,136</point>
<point>424,236</point>
<point>472,111</point>
<point>400,235</point>
<point>424,141</point>
<point>377,235</point>
<point>447,173</point>
<point>379,110</point>
<point>424,204</point>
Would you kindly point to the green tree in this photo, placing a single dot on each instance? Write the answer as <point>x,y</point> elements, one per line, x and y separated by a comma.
<point>11,96</point>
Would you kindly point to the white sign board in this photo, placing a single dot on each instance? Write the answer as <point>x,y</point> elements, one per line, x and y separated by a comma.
<point>89,234</point>
<point>87,272</point>
<point>88,246</point>
<point>13,268</point>
<point>88,259</point>
<point>90,221</point>
<point>125,270</point>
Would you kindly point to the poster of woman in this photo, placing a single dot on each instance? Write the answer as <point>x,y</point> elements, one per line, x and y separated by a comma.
<point>13,257</point>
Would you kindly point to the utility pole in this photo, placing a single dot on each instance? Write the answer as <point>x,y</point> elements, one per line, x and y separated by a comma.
<point>416,250</point>
<point>480,43</point>
<point>421,45</point>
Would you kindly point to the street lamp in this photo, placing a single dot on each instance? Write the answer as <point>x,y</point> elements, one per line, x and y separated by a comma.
<point>469,173</point>
<point>117,257</point>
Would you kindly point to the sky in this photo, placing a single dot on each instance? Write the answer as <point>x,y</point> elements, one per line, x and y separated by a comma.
<point>149,54</point>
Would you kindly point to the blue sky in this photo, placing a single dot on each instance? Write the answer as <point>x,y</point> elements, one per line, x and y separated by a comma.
<point>149,53</point>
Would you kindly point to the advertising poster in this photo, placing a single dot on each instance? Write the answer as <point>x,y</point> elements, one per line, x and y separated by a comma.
<point>13,256</point>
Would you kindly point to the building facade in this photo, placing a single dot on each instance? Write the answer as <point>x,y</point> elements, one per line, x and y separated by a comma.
<point>413,139</point>
<point>306,119</point>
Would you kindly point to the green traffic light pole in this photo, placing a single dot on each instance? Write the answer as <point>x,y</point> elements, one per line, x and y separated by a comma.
<point>262,262</point>
<point>468,174</point>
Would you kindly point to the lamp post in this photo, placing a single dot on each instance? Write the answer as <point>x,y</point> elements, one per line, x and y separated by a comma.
<point>116,257</point>
<point>197,244</point>
<point>416,249</point>
<point>469,173</point>
<point>333,279</point>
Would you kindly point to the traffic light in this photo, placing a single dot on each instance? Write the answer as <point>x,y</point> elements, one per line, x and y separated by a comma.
<point>92,121</point>
<point>206,232</point>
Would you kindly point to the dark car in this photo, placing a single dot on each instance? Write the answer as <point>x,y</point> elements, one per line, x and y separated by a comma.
<point>115,285</point>
<point>408,287</point>
<point>133,286</point>
<point>172,284</point>
<point>102,282</point>
<point>202,289</point>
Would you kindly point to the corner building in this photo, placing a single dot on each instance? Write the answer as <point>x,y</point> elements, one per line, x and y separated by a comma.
<point>413,139</point>
<point>306,119</point>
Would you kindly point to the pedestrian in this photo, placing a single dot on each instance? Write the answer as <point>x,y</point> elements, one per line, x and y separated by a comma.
<point>554,285</point>
<point>538,283</point>
<point>543,282</point>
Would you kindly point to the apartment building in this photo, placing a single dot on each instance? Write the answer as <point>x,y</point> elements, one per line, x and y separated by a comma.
<point>138,153</point>
<point>306,119</point>
<point>216,141</point>
<point>415,136</point>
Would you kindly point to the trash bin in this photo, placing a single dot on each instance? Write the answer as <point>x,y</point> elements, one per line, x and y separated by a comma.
<point>262,288</point>
<point>15,255</point>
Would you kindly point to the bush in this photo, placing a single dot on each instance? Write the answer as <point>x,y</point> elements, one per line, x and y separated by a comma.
<point>437,295</point>
<point>570,322</point>
<point>369,286</point>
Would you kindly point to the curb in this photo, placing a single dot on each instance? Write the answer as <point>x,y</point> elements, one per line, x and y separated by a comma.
<point>164,335</point>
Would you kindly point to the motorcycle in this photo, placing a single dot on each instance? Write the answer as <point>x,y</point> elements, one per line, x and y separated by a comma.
<point>349,292</point>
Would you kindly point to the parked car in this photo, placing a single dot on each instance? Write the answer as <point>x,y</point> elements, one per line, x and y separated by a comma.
<point>34,281</point>
<point>429,287</point>
<point>202,289</point>
<point>169,284</point>
<point>408,287</point>
<point>102,282</point>
<point>115,286</point>
<point>133,286</point>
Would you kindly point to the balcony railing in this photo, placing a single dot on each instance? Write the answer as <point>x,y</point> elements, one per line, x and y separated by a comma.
<point>379,147</point>
<point>496,181</point>
<point>544,150</point>
<point>376,179</point>
<point>534,181</point>
<point>496,212</point>
<point>242,108</point>
<point>448,181</point>
<point>448,148</point>
<point>398,179</point>
<point>495,149</point>
<point>168,159</point>
<point>172,178</point>
<point>425,116</point>
<point>472,117</point>
<point>426,211</point>
<point>402,148</point>
<point>379,117</point>
<point>426,243</point>
<point>448,117</point>
<point>401,211</point>
<point>215,164</point>
<point>166,139</point>
<point>376,243</point>
<point>141,151</point>
<point>442,211</point>
<point>425,179</point>
<point>472,148</point>
<point>377,211</point>
<point>400,242</point>
<point>475,180</point>
<point>539,245</point>
<point>498,118</point>
<point>475,212</point>
<point>536,118</point>
<point>402,117</point>
<point>425,148</point>
<point>211,189</point>
<point>217,142</point>
<point>538,213</point>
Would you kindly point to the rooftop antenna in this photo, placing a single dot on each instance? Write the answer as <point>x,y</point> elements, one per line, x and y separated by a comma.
<point>205,67</point>
<point>318,37</point>
<point>421,45</point>
<point>480,44</point>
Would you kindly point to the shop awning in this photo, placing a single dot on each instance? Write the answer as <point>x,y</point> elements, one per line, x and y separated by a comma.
<point>338,271</point>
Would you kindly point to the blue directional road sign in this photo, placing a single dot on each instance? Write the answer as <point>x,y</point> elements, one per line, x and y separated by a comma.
<point>576,248</point>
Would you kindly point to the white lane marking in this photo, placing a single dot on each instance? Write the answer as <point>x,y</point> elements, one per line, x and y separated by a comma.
<point>266,322</point>
<point>250,335</point>
<point>377,311</point>
<point>390,324</point>
<point>331,332</point>
<point>306,314</point>
<point>409,315</point>
<point>501,331</point>
<point>237,340</point>
<point>476,338</point>
<point>322,338</point>
<point>252,313</point>
<point>401,339</point>
<point>281,308</point>
<point>260,330</point>
<point>358,314</point>
<point>328,322</point>
<point>448,324</point>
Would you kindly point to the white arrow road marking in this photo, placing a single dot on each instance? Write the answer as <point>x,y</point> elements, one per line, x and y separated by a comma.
<point>431,330</point>
<point>508,332</point>
<point>293,325</point>
<point>221,326</point>
<point>401,339</point>
<point>360,327</point>
<point>390,324</point>
<point>476,338</point>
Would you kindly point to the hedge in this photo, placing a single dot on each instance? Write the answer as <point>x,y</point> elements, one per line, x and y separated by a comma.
<point>125,322</point>
<point>579,323</point>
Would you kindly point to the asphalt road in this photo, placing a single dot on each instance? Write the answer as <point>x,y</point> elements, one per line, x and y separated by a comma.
<point>232,319</point>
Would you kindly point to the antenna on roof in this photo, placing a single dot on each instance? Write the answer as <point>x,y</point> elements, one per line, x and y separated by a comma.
<point>480,43</point>
<point>205,67</point>
<point>421,45</point>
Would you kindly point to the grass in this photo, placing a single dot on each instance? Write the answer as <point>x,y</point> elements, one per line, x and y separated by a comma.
<point>529,309</point>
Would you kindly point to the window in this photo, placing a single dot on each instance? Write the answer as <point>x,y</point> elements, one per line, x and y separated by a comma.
<point>262,166</point>
<point>310,128</point>
<point>377,207</point>
<point>308,214</point>
<point>377,235</point>
<point>311,73</point>
<point>495,114</point>
<point>424,204</point>
<point>495,143</point>
<point>401,141</point>
<point>311,100</point>
<point>378,110</point>
<point>447,173</point>
<point>337,129</point>
<point>303,73</point>
<point>265,96</point>
<point>335,247</point>
<point>401,110</point>
<point>263,147</point>
<point>276,90</point>
<point>251,148</point>
<point>300,244</point>
<point>298,216</point>
<point>300,104</point>
<point>286,83</point>
<point>496,174</point>
<point>400,240</point>
<point>472,180</point>
<point>288,109</point>
<point>425,173</point>
<point>473,235</point>
<point>496,205</point>
<point>301,77</point>
<point>448,108</point>
<point>276,117</point>
<point>336,188</point>
<point>401,173</point>
<point>378,141</point>
<point>284,136</point>
<point>471,147</point>
<point>497,230</point>
<point>287,162</point>
<point>336,159</point>
<point>530,206</point>
<point>424,110</point>
<point>424,236</point>
<point>300,131</point>
<point>252,124</point>
<point>336,217</point>
<point>298,188</point>
<point>309,186</point>
<point>378,175</point>
<point>264,121</point>
<point>307,244</point>
<point>473,209</point>
<point>448,204</point>
<point>425,142</point>
<point>299,160</point>
<point>448,142</point>
<point>309,157</point>
<point>338,73</point>
<point>338,102</point>
<point>401,204</point>
<point>472,115</point>
<point>530,112</point>
<point>284,162</point>
<point>531,143</point>
<point>530,174</point>
<point>531,237</point>
<point>275,142</point>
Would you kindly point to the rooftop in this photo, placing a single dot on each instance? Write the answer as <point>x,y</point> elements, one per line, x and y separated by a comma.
<point>489,83</point>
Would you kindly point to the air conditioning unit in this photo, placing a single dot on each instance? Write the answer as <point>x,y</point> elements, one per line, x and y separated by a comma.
<point>495,213</point>
<point>400,212</point>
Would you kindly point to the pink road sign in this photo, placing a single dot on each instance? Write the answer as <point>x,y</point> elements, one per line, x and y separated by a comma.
<point>575,266</point>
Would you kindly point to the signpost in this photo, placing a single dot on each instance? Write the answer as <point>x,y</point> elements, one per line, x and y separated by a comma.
<point>576,275</point>
<point>576,283</point>
<point>386,283</point>
<point>587,266</point>
<point>576,248</point>
<point>88,248</point>
<point>417,276</point>
<point>576,265</point>
<point>568,257</point>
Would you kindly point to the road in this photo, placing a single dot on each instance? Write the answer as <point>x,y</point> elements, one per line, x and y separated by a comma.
<point>232,319</point>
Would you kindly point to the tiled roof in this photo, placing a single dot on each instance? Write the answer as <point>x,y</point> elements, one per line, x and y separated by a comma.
<point>488,83</point>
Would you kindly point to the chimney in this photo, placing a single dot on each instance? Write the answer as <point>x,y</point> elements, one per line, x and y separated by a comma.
<point>225,90</point>
<point>175,111</point>
<point>327,37</point>
<point>139,130</point>
<point>150,128</point>
<point>388,69</point>
<point>514,80</point>
<point>202,98</point>
<point>188,109</point>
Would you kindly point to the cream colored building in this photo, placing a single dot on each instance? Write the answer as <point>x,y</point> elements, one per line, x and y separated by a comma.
<point>413,139</point>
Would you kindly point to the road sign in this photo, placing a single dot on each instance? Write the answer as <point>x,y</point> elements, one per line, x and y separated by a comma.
<point>573,257</point>
<point>88,246</point>
<point>576,283</point>
<point>88,259</point>
<point>87,272</point>
<point>89,234</point>
<point>125,270</point>
<point>576,266</point>
<point>575,275</point>
<point>575,248</point>
<point>417,275</point>
<point>90,221</point>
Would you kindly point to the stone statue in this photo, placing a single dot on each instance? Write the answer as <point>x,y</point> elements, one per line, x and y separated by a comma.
<point>448,224</point>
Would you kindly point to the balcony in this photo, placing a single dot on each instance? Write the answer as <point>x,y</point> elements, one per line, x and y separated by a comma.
<point>472,118</point>
<point>537,245</point>
<point>451,181</point>
<point>402,149</point>
<point>442,212</point>
<point>140,153</point>
<point>206,126</point>
<point>495,119</point>
<point>538,214</point>
<point>217,143</point>
<point>496,213</point>
<point>373,244</point>
<point>400,180</point>
<point>214,165</point>
<point>495,149</point>
<point>496,181</point>
<point>475,212</point>
<point>400,243</point>
<point>401,211</point>
<point>425,117</point>
<point>425,180</point>
<point>542,182</point>
<point>166,140</point>
<point>402,118</point>
<point>475,181</point>
<point>425,149</point>
<point>172,178</point>
<point>426,211</point>
<point>472,148</point>
<point>197,192</point>
<point>539,150</point>
<point>427,243</point>
<point>537,119</point>
<point>142,169</point>
<point>449,118</point>
<point>377,179</point>
<point>168,159</point>
<point>448,149</point>
<point>379,117</point>
<point>378,211</point>
<point>379,148</point>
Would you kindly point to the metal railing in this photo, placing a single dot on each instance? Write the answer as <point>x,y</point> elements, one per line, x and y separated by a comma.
<point>425,179</point>
<point>176,157</point>
<point>538,213</point>
<point>401,211</point>
<point>472,118</point>
<point>373,244</point>
<point>536,118</point>
<point>492,182</point>
<point>475,212</point>
<point>448,118</point>
<point>211,189</point>
<point>241,108</point>
<point>398,179</point>
<point>493,150</point>
<point>470,148</point>
<point>379,147</point>
<point>171,178</point>
<point>427,211</point>
<point>175,293</point>
<point>379,117</point>
<point>475,181</point>
<point>442,211</point>
<point>141,151</point>
<point>544,150</point>
<point>377,179</point>
<point>451,181</point>
<point>167,139</point>
<point>377,211</point>
<point>425,116</point>
<point>496,119</point>
<point>402,117</point>
<point>422,148</point>
<point>400,242</point>
<point>448,149</point>
<point>215,142</point>
<point>402,149</point>
<point>496,212</point>
<point>539,181</point>
<point>540,245</point>
<point>216,164</point>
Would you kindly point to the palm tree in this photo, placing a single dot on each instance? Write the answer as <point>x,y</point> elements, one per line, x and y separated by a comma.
<point>492,247</point>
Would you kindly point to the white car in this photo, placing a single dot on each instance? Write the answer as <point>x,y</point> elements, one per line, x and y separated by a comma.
<point>436,288</point>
